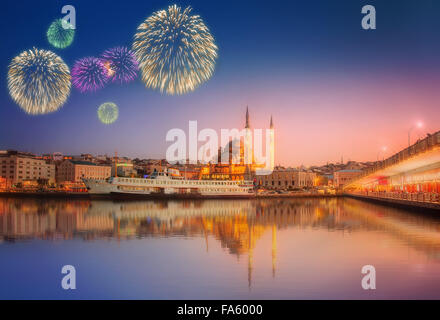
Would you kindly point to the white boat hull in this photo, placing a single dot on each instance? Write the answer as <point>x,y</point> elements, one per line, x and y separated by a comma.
<point>121,187</point>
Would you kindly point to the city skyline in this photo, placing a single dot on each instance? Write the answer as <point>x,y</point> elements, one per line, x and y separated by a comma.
<point>192,151</point>
<point>334,89</point>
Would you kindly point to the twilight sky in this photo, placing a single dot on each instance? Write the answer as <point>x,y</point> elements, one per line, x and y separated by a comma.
<point>333,88</point>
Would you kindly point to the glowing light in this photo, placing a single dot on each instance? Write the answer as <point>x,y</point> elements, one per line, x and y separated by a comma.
<point>108,112</point>
<point>89,74</point>
<point>38,81</point>
<point>110,71</point>
<point>60,34</point>
<point>419,124</point>
<point>121,64</point>
<point>175,50</point>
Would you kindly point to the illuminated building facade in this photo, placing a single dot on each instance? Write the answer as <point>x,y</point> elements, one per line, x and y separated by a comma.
<point>123,168</point>
<point>284,179</point>
<point>241,161</point>
<point>16,167</point>
<point>74,171</point>
<point>342,177</point>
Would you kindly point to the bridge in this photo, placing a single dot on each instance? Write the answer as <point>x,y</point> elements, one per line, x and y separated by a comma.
<point>409,177</point>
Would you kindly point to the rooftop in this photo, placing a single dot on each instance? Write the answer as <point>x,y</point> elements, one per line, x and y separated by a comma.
<point>83,163</point>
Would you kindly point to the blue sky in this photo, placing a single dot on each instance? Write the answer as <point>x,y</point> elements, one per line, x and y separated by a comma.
<point>326,81</point>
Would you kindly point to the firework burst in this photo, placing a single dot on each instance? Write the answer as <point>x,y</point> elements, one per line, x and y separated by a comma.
<point>108,112</point>
<point>121,64</point>
<point>175,50</point>
<point>89,74</point>
<point>38,81</point>
<point>60,34</point>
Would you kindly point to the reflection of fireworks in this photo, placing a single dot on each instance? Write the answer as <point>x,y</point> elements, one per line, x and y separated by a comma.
<point>89,74</point>
<point>108,112</point>
<point>38,81</point>
<point>175,50</point>
<point>58,36</point>
<point>121,64</point>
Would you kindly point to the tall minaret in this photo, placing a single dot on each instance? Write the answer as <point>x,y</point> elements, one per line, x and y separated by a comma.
<point>272,145</point>
<point>247,147</point>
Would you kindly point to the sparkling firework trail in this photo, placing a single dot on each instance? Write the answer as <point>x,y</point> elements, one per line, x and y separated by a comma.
<point>175,50</point>
<point>58,36</point>
<point>121,64</point>
<point>38,81</point>
<point>108,67</point>
<point>89,74</point>
<point>108,112</point>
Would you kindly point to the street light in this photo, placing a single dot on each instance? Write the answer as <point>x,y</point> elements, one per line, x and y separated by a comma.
<point>419,124</point>
<point>383,149</point>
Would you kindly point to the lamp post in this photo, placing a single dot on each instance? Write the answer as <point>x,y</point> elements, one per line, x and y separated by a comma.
<point>383,149</point>
<point>417,125</point>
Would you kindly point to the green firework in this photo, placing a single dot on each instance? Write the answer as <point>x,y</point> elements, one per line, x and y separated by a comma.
<point>108,112</point>
<point>59,36</point>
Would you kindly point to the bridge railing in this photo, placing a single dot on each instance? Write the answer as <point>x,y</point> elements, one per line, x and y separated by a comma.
<point>428,197</point>
<point>423,145</point>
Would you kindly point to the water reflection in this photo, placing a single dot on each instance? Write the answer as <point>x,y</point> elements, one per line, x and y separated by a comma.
<point>236,224</point>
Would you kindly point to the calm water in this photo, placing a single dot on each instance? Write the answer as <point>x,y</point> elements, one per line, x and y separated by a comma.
<point>234,249</point>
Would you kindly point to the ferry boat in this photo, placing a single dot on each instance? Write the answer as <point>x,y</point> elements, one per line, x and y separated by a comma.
<point>164,185</point>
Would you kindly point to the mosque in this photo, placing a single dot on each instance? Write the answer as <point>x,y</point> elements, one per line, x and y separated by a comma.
<point>235,151</point>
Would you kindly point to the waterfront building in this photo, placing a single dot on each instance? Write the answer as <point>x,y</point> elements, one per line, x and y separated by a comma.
<point>122,167</point>
<point>147,167</point>
<point>342,177</point>
<point>74,171</point>
<point>285,179</point>
<point>189,171</point>
<point>18,167</point>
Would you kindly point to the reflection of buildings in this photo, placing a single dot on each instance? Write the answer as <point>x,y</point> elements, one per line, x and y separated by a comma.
<point>238,225</point>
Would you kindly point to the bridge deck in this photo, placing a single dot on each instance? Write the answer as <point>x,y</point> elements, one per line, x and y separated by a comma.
<point>418,200</point>
<point>406,176</point>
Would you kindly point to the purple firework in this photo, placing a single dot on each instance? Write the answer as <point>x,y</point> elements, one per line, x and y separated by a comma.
<point>121,64</point>
<point>89,74</point>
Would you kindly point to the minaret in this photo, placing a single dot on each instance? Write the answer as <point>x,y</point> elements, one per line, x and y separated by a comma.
<point>274,249</point>
<point>272,145</point>
<point>250,256</point>
<point>247,148</point>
